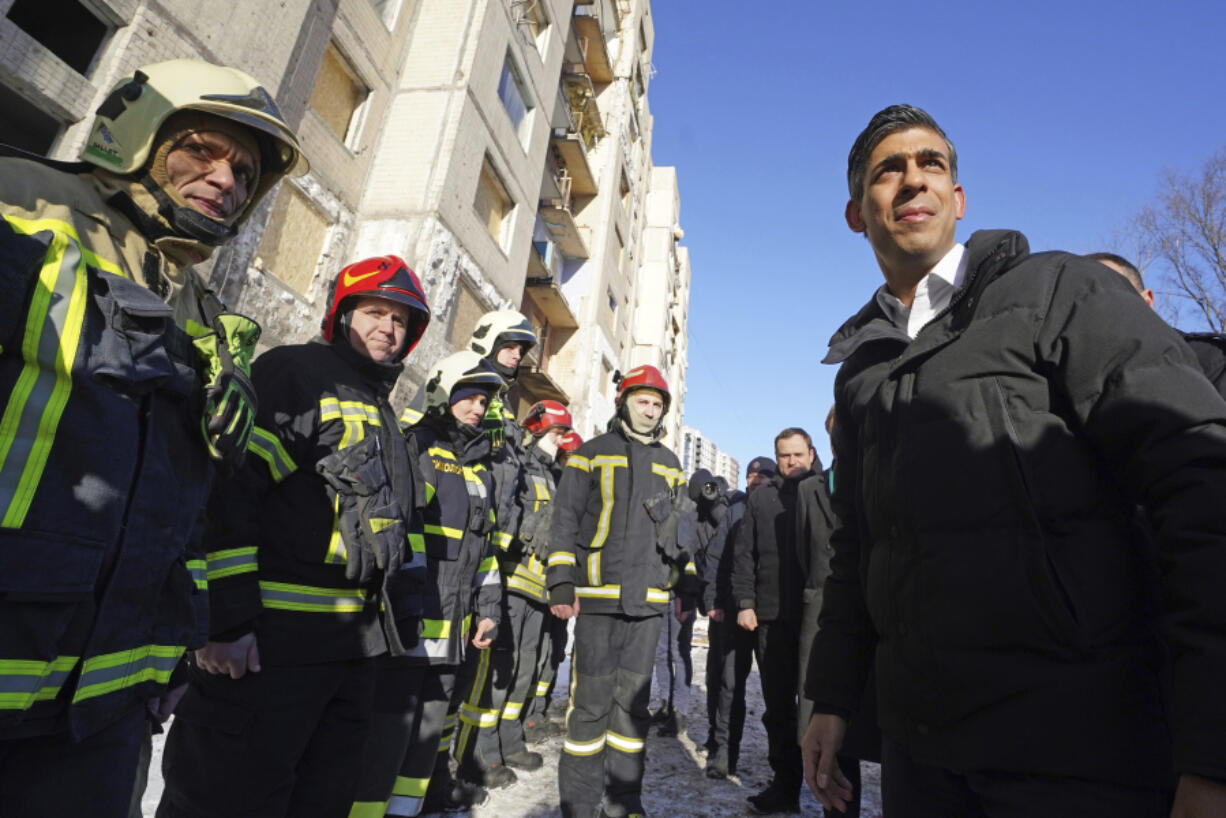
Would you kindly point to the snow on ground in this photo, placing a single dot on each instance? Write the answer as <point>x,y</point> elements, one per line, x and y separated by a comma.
<point>674,786</point>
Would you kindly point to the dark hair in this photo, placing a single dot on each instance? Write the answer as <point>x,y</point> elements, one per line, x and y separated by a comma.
<point>885,122</point>
<point>1127,268</point>
<point>793,431</point>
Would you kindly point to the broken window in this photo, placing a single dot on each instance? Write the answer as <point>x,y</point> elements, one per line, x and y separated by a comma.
<point>66,28</point>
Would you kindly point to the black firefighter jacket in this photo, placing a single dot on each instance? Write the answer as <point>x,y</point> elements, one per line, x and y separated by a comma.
<point>276,557</point>
<point>988,473</point>
<point>766,569</point>
<point>603,544</point>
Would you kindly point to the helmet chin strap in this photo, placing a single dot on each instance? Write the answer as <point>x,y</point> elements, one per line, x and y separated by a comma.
<point>186,221</point>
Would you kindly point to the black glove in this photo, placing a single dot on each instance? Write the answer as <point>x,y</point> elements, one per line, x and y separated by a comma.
<point>368,513</point>
<point>229,396</point>
<point>534,530</point>
<point>665,512</point>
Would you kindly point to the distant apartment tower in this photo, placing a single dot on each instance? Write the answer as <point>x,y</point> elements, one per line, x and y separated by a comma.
<point>502,147</point>
<point>699,452</point>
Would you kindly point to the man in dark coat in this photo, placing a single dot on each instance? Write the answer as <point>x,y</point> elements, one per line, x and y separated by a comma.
<point>998,417</point>
<point>768,589</point>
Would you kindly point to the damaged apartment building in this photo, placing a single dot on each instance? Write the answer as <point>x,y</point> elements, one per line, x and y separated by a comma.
<point>502,147</point>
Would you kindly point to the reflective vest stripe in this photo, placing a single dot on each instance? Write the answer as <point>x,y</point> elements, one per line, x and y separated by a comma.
<point>232,561</point>
<point>199,571</point>
<point>607,465</point>
<point>603,592</point>
<point>49,348</point>
<point>286,597</point>
<point>624,743</point>
<point>115,671</point>
<point>268,447</point>
<point>25,681</point>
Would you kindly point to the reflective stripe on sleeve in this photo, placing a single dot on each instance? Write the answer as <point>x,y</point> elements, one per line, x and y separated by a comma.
<point>115,671</point>
<point>231,561</point>
<point>561,558</point>
<point>657,595</point>
<point>267,446</point>
<point>25,681</point>
<point>199,570</point>
<point>286,597</point>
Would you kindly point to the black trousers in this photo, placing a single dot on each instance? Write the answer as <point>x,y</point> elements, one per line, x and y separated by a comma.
<point>606,727</point>
<point>528,618</point>
<point>286,741</point>
<point>54,776</point>
<point>910,789</point>
<point>552,654</point>
<point>777,652</point>
<point>729,660</point>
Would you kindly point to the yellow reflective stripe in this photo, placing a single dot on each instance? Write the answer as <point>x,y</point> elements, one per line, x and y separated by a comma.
<point>31,226</point>
<point>436,628</point>
<point>542,688</point>
<point>49,348</point>
<point>603,592</point>
<point>579,462</point>
<point>474,716</point>
<point>417,543</point>
<point>231,561</point>
<point>368,809</point>
<point>690,569</point>
<point>511,710</point>
<point>470,714</point>
<point>673,476</point>
<point>607,464</point>
<point>501,539</point>
<point>435,451</point>
<point>624,743</point>
<point>287,597</point>
<point>25,681</point>
<point>410,786</point>
<point>593,568</point>
<point>489,567</point>
<point>430,491</point>
<point>656,595</point>
<point>116,671</point>
<point>517,583</point>
<point>199,571</point>
<point>583,748</point>
<point>267,446</point>
<point>355,415</point>
<point>410,417</point>
<point>443,531</point>
<point>561,558</point>
<point>336,554</point>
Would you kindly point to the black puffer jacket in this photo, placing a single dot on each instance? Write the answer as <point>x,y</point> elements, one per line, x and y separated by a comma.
<point>717,575</point>
<point>988,475</point>
<point>766,571</point>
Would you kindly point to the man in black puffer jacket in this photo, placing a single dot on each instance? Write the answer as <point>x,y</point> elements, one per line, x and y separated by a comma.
<point>999,415</point>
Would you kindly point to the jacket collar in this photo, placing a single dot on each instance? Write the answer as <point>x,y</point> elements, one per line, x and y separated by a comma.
<point>990,253</point>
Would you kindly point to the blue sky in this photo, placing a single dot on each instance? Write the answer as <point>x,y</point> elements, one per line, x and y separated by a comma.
<point>1064,116</point>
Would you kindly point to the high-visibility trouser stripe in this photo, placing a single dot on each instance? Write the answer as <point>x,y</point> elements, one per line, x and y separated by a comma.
<point>607,464</point>
<point>407,796</point>
<point>624,743</point>
<point>542,688</point>
<point>444,740</point>
<point>511,710</point>
<point>657,595</point>
<point>602,592</point>
<point>593,568</point>
<point>470,714</point>
<point>49,348</point>
<point>286,597</point>
<point>115,671</point>
<point>265,445</point>
<point>199,570</point>
<point>583,748</point>
<point>25,681</point>
<point>501,539</point>
<point>561,558</point>
<point>231,561</point>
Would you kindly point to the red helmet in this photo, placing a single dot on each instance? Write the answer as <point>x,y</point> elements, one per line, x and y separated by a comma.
<point>385,277</point>
<point>545,415</point>
<point>643,377</point>
<point>571,442</point>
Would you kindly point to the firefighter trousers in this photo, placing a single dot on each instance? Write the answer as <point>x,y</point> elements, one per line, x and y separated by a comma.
<point>527,619</point>
<point>674,671</point>
<point>606,726</point>
<point>410,731</point>
<point>548,660</point>
<point>283,741</point>
<point>54,776</point>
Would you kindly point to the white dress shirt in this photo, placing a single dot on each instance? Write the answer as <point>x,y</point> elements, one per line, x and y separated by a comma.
<point>933,293</point>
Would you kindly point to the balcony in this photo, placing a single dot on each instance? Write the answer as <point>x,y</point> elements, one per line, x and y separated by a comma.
<point>557,188</point>
<point>545,293</point>
<point>589,39</point>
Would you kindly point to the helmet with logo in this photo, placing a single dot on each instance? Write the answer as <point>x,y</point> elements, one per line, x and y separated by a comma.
<point>386,277</point>
<point>545,415</point>
<point>124,135</point>
<point>642,377</point>
<point>496,330</point>
<point>570,442</point>
<point>460,370</point>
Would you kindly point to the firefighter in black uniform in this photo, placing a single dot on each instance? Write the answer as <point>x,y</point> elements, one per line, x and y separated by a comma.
<point>406,758</point>
<point>523,572</point>
<point>299,543</point>
<point>613,560</point>
<point>503,338</point>
<point>122,379</point>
